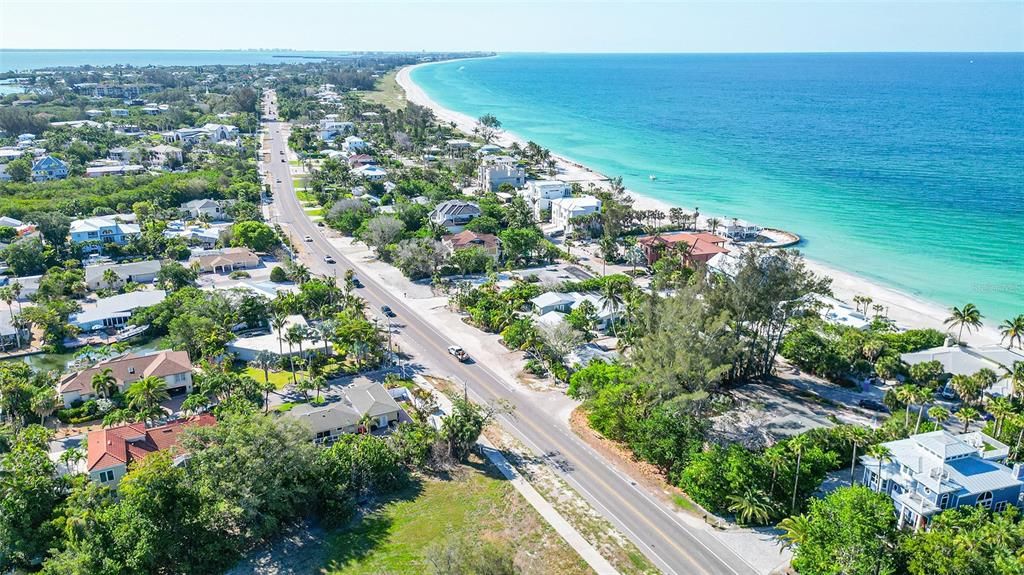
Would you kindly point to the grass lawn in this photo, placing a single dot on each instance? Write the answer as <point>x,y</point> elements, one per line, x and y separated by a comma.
<point>278,378</point>
<point>315,211</point>
<point>387,92</point>
<point>304,196</point>
<point>475,503</point>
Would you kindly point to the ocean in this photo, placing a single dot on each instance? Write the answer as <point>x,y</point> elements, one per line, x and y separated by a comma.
<point>34,59</point>
<point>907,169</point>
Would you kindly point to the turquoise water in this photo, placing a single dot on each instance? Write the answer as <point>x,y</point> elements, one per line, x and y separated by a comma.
<point>34,59</point>
<point>904,168</point>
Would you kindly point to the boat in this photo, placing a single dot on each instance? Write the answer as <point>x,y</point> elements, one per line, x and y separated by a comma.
<point>653,177</point>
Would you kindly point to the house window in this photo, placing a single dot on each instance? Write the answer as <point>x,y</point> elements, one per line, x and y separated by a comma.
<point>1001,506</point>
<point>944,501</point>
<point>107,476</point>
<point>985,500</point>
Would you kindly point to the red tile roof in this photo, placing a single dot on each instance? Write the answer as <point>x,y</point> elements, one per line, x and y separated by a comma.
<point>468,239</point>
<point>132,442</point>
<point>702,243</point>
<point>129,369</point>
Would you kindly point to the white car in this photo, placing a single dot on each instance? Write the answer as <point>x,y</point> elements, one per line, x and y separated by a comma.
<point>307,239</point>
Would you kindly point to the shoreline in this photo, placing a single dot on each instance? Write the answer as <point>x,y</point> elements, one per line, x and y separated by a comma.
<point>905,309</point>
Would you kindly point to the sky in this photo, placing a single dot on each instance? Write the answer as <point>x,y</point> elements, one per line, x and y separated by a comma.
<point>515,25</point>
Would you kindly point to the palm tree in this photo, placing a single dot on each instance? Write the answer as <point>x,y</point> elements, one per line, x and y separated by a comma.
<point>966,317</point>
<point>906,395</point>
<point>7,296</point>
<point>967,415</point>
<point>1018,420</point>
<point>263,361</point>
<point>881,454</point>
<point>795,530</point>
<point>966,387</point>
<point>146,395</point>
<point>752,506</point>
<point>797,446</point>
<point>920,396</point>
<point>16,290</point>
<point>1016,374</point>
<point>195,403</point>
<point>713,224</point>
<point>999,407</point>
<point>1013,330</point>
<point>318,383</point>
<point>278,321</point>
<point>858,437</point>
<point>44,403</point>
<point>104,384</point>
<point>776,458</point>
<point>938,414</point>
<point>612,293</point>
<point>70,458</point>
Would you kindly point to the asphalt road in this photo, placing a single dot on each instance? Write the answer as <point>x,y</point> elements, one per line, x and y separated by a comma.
<point>671,545</point>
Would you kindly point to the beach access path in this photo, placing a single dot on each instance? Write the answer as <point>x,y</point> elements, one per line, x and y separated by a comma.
<point>906,309</point>
<point>539,420</point>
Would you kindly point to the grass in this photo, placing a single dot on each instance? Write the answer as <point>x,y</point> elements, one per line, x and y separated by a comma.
<point>476,504</point>
<point>304,196</point>
<point>315,211</point>
<point>684,503</point>
<point>278,378</point>
<point>387,92</point>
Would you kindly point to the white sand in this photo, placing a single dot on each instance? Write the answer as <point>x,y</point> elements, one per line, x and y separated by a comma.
<point>906,310</point>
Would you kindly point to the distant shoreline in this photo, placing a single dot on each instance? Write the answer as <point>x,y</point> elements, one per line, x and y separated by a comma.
<point>907,310</point>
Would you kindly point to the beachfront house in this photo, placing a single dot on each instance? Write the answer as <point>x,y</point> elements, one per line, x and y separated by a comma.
<point>454,214</point>
<point>110,451</point>
<point>692,247</point>
<point>361,404</point>
<point>563,210</point>
<point>96,231</point>
<point>467,239</point>
<point>225,261</point>
<point>174,367</point>
<point>969,360</point>
<point>497,170</point>
<point>49,168</point>
<point>539,193</point>
<point>930,472</point>
<point>114,312</point>
<point>114,275</point>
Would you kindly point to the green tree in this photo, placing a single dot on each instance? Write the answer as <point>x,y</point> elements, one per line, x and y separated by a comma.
<point>967,316</point>
<point>145,396</point>
<point>967,541</point>
<point>174,276</point>
<point>751,507</point>
<point>1013,330</point>
<point>20,169</point>
<point>29,493</point>
<point>256,236</point>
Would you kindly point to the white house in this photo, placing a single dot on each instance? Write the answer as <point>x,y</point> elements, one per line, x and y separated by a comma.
<point>115,311</point>
<point>105,229</point>
<point>211,209</point>
<point>247,348</point>
<point>163,154</point>
<point>563,210</point>
<point>539,193</point>
<point>354,145</point>
<point>498,170</point>
<point>331,129</point>
<point>371,173</point>
<point>96,276</point>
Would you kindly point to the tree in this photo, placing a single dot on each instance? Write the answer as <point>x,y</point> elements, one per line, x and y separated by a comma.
<point>382,231</point>
<point>52,225</point>
<point>174,276</point>
<point>967,387</point>
<point>751,507</point>
<point>20,169</point>
<point>967,316</point>
<point>797,445</point>
<point>967,540</point>
<point>146,395</point>
<point>849,532</point>
<point>474,259</point>
<point>256,236</point>
<point>44,403</point>
<point>1000,408</point>
<point>881,454</point>
<point>858,437</point>
<point>794,530</point>
<point>25,257</point>
<point>30,491</point>
<point>487,127</point>
<point>420,257</point>
<point>104,384</point>
<point>938,414</point>
<point>1013,330</point>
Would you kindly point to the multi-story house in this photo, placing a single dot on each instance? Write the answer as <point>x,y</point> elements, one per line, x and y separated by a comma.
<point>454,214</point>
<point>930,472</point>
<point>497,170</point>
<point>563,210</point>
<point>49,168</point>
<point>539,194</point>
<point>105,230</point>
<point>174,367</point>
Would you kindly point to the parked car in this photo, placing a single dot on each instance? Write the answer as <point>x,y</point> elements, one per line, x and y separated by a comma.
<point>307,239</point>
<point>356,282</point>
<point>329,259</point>
<point>458,353</point>
<point>386,310</point>
<point>872,405</point>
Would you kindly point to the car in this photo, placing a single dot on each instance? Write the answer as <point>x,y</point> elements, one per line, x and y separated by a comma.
<point>279,180</point>
<point>329,260</point>
<point>280,152</point>
<point>356,282</point>
<point>458,353</point>
<point>386,310</point>
<point>872,405</point>
<point>307,239</point>
<point>319,224</point>
<point>282,160</point>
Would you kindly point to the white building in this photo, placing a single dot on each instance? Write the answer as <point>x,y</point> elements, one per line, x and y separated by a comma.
<point>354,145</point>
<point>371,173</point>
<point>539,194</point>
<point>331,129</point>
<point>96,276</point>
<point>563,210</point>
<point>116,311</point>
<point>246,348</point>
<point>498,170</point>
<point>211,209</point>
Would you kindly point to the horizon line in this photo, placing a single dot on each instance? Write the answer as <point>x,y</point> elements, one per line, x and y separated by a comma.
<point>538,52</point>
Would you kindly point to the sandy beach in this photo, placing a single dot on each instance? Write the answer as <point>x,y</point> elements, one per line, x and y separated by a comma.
<point>905,309</point>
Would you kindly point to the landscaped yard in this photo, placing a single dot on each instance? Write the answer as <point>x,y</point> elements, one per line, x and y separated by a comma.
<point>477,504</point>
<point>278,378</point>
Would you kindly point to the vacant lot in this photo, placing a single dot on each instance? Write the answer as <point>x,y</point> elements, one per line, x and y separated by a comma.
<point>475,503</point>
<point>387,92</point>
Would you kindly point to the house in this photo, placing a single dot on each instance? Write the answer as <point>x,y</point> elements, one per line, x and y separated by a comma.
<point>163,155</point>
<point>453,214</point>
<point>226,260</point>
<point>458,145</point>
<point>563,210</point>
<point>125,170</point>
<point>93,114</point>
<point>110,451</point>
<point>213,210</point>
<point>174,367</point>
<point>27,286</point>
<point>354,145</point>
<point>204,236</point>
<point>123,155</point>
<point>837,312</point>
<point>549,303</point>
<point>115,311</point>
<point>13,336</point>
<point>247,348</point>
<point>9,222</point>
<point>119,113</point>
<point>359,402</point>
<point>693,248</point>
<point>371,173</point>
<point>539,193</point>
<point>97,276</point>
<point>331,129</point>
<point>219,132</point>
<point>930,472</point>
<point>467,239</point>
<point>359,160</point>
<point>552,301</point>
<point>741,231</point>
<point>49,168</point>
<point>104,230</point>
<point>492,175</point>
<point>969,360</point>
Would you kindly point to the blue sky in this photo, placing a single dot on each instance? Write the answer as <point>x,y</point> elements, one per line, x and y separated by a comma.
<point>516,26</point>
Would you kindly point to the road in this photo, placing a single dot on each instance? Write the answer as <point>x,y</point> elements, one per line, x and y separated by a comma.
<point>661,535</point>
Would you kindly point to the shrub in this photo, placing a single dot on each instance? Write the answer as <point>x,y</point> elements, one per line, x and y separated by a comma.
<point>278,275</point>
<point>240,274</point>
